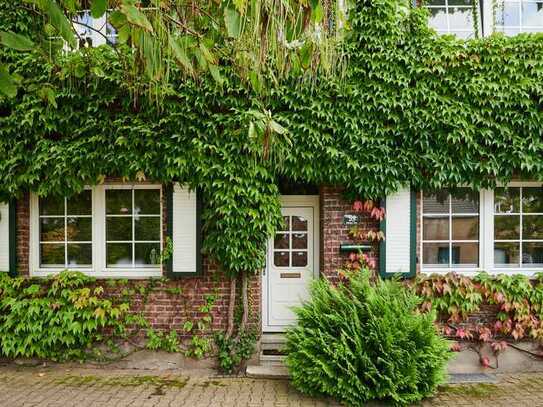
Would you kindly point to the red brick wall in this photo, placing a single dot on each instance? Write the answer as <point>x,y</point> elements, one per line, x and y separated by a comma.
<point>164,310</point>
<point>333,232</point>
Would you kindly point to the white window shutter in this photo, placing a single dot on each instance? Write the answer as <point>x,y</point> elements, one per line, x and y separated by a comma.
<point>398,250</point>
<point>184,230</point>
<point>4,237</point>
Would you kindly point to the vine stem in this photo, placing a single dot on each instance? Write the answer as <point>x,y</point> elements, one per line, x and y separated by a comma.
<point>231,307</point>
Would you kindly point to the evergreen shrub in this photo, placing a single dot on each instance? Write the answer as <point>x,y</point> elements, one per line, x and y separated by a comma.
<point>363,340</point>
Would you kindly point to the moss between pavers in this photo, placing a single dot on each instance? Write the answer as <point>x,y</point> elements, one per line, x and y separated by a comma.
<point>122,381</point>
<point>478,391</point>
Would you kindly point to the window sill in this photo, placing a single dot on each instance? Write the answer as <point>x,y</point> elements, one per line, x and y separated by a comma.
<point>106,273</point>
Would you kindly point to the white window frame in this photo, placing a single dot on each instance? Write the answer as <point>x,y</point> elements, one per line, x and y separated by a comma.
<point>98,269</point>
<point>65,242</point>
<point>520,27</point>
<point>449,30</point>
<point>486,239</point>
<point>486,15</point>
<point>459,268</point>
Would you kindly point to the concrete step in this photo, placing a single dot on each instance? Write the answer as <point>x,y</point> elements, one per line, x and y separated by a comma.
<point>267,371</point>
<point>277,338</point>
<point>272,358</point>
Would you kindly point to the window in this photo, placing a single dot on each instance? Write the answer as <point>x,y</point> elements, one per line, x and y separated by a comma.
<point>450,229</point>
<point>92,32</point>
<point>106,231</point>
<point>290,244</point>
<point>513,17</point>
<point>133,227</point>
<point>452,17</point>
<point>518,227</point>
<point>65,231</point>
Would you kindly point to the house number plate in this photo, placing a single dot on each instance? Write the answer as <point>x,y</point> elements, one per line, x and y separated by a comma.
<point>351,219</point>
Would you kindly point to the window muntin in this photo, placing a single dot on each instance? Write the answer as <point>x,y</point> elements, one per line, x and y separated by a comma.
<point>65,231</point>
<point>452,17</point>
<point>133,227</point>
<point>516,16</point>
<point>450,229</point>
<point>290,245</point>
<point>518,227</point>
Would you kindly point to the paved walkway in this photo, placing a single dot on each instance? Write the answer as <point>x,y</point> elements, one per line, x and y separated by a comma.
<point>82,387</point>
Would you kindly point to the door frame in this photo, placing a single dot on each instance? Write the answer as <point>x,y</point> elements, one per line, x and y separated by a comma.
<point>292,201</point>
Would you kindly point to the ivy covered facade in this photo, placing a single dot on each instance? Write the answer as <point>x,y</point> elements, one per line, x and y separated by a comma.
<point>444,134</point>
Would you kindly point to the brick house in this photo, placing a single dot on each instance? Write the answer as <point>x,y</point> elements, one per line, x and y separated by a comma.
<point>117,230</point>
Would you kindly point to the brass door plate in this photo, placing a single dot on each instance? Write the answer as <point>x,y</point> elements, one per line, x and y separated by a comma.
<point>291,275</point>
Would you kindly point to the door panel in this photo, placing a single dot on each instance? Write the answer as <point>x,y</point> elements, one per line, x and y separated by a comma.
<point>290,265</point>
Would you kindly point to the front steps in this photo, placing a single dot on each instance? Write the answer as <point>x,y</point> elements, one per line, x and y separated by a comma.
<point>270,364</point>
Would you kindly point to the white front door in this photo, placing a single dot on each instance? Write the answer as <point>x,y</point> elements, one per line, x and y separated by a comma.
<point>292,262</point>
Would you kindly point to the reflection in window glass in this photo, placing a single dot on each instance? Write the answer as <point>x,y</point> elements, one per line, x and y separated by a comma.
<point>133,228</point>
<point>452,17</point>
<point>65,230</point>
<point>516,16</point>
<point>450,229</point>
<point>518,227</point>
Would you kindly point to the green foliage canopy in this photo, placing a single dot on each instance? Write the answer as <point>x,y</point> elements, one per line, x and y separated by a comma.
<point>413,108</point>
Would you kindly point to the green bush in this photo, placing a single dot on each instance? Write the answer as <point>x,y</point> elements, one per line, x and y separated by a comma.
<point>364,341</point>
<point>58,318</point>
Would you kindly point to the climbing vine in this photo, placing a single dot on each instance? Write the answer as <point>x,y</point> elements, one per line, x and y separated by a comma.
<point>412,107</point>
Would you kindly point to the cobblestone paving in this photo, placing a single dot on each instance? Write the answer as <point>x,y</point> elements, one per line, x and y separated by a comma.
<point>84,387</point>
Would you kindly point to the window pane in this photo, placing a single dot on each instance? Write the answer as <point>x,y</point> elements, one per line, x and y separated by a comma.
<point>80,204</point>
<point>299,223</point>
<point>119,228</point>
<point>79,229</point>
<point>51,205</point>
<point>299,241</point>
<point>281,259</point>
<point>281,241</point>
<point>465,228</point>
<point>52,255</point>
<point>532,227</point>
<point>119,201</point>
<point>436,3</point>
<point>52,229</point>
<point>438,19</point>
<point>461,18</point>
<point>532,200</point>
<point>435,228</point>
<point>285,225</point>
<point>506,254</point>
<point>147,228</point>
<point>532,14</point>
<point>465,254</point>
<point>507,13</point>
<point>147,254</point>
<point>507,200</point>
<point>435,254</point>
<point>299,259</point>
<point>119,254</point>
<point>147,201</point>
<point>436,203</point>
<point>507,227</point>
<point>465,201</point>
<point>79,255</point>
<point>532,254</point>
